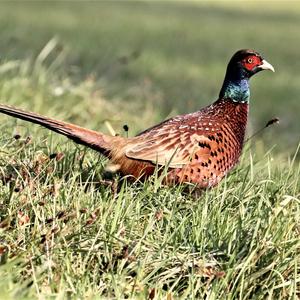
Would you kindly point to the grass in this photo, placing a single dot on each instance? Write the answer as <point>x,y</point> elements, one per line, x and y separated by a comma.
<point>66,234</point>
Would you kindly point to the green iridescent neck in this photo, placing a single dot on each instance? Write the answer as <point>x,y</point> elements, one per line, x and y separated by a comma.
<point>236,84</point>
<point>236,89</point>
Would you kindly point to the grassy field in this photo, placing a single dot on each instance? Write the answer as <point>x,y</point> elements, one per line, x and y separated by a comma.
<point>66,234</point>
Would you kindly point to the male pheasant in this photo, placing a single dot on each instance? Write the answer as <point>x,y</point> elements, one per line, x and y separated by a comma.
<point>200,147</point>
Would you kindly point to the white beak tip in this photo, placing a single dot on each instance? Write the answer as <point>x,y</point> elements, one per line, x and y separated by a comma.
<point>266,66</point>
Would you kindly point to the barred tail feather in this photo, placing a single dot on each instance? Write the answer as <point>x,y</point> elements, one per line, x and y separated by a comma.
<point>80,135</point>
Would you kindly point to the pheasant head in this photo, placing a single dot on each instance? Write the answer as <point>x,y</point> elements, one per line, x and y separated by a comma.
<point>243,65</point>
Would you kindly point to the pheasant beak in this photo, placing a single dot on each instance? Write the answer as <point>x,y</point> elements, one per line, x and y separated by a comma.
<point>266,66</point>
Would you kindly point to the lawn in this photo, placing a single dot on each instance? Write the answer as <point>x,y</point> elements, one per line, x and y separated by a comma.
<point>65,232</point>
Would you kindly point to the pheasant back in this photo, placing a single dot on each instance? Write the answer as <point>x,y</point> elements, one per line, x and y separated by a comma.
<point>200,148</point>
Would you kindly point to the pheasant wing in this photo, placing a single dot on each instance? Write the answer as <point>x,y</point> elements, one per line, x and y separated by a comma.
<point>174,148</point>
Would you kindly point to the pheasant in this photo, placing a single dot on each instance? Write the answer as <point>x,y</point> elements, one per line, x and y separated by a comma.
<point>200,147</point>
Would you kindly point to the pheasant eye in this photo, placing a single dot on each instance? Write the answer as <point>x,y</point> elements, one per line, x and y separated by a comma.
<point>249,60</point>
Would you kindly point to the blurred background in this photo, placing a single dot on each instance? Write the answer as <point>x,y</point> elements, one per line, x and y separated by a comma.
<point>137,63</point>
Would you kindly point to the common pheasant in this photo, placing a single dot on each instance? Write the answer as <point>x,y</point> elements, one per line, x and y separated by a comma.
<point>200,147</point>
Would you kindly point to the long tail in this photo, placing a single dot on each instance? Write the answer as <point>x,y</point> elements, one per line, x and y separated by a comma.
<point>80,135</point>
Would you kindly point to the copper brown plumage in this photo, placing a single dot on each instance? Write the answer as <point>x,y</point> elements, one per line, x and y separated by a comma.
<point>200,147</point>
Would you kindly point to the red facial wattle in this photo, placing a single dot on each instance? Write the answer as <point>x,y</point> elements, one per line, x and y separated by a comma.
<point>251,62</point>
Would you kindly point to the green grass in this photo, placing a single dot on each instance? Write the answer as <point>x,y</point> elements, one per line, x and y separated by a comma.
<point>66,234</point>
